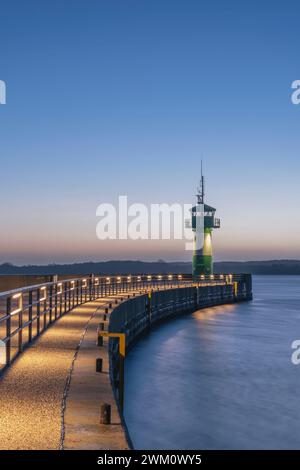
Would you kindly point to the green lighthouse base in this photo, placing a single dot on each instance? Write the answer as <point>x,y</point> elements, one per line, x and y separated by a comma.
<point>202,264</point>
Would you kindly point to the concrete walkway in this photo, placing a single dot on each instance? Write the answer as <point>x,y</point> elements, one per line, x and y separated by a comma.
<point>33,390</point>
<point>88,389</point>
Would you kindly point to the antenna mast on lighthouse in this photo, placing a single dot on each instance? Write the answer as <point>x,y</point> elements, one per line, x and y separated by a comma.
<point>200,189</point>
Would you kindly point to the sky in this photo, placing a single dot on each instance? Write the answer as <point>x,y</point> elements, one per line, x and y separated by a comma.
<point>108,98</point>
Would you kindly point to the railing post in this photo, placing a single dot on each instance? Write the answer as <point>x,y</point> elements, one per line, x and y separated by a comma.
<point>121,371</point>
<point>73,294</point>
<point>56,297</point>
<point>69,295</point>
<point>8,330</point>
<point>50,302</point>
<point>45,308</point>
<point>148,308</point>
<point>77,292</point>
<point>65,296</point>
<point>20,320</point>
<point>30,316</point>
<point>85,289</point>
<point>90,285</point>
<point>38,311</point>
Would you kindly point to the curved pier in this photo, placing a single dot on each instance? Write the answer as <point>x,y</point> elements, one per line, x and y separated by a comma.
<point>52,393</point>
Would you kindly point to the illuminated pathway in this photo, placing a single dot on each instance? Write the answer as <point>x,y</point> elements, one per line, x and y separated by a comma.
<point>51,393</point>
<point>32,388</point>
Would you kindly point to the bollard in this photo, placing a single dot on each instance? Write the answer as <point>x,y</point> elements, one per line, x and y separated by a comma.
<point>99,364</point>
<point>128,296</point>
<point>105,413</point>
<point>133,294</point>
<point>100,341</point>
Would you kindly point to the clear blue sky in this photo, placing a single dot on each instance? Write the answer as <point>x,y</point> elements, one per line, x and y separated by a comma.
<point>124,97</point>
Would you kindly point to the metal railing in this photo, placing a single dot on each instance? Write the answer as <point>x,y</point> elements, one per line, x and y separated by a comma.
<point>26,312</point>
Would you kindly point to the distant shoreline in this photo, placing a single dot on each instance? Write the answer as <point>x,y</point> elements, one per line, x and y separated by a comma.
<point>272,267</point>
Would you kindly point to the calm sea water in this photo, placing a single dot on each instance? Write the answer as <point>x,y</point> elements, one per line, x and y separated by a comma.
<point>220,378</point>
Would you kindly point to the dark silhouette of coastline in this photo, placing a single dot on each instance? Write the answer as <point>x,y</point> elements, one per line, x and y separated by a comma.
<point>279,267</point>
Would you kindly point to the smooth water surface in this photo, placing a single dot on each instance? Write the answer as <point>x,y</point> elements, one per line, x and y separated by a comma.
<point>220,378</point>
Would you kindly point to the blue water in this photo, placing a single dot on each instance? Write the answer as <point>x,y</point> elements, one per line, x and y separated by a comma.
<point>220,378</point>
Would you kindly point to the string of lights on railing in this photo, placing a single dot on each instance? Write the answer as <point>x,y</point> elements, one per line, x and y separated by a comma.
<point>33,308</point>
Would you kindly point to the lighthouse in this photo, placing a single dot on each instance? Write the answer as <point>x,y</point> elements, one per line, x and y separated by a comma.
<point>203,223</point>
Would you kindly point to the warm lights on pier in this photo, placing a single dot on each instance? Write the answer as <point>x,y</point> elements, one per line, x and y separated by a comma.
<point>43,291</point>
<point>54,292</point>
<point>59,288</point>
<point>19,298</point>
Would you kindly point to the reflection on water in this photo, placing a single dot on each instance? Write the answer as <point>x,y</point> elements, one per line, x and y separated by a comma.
<point>220,378</point>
